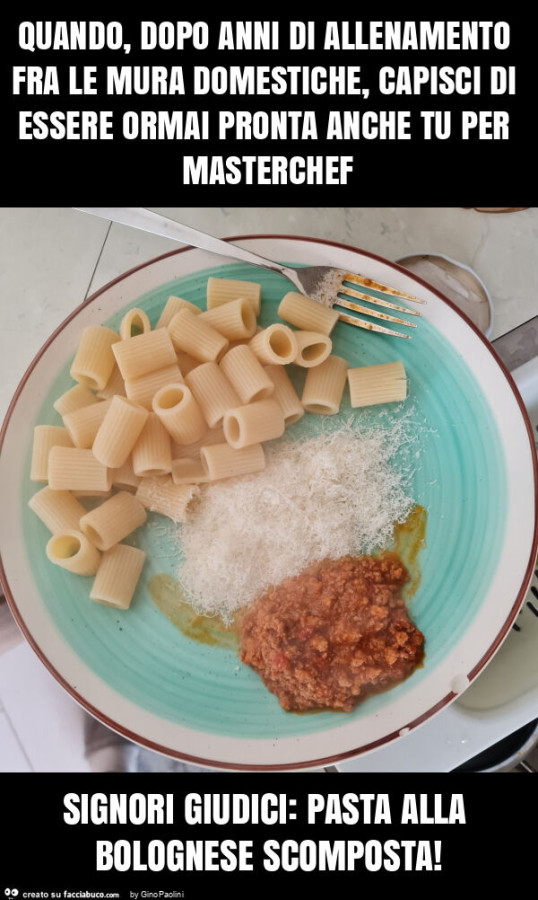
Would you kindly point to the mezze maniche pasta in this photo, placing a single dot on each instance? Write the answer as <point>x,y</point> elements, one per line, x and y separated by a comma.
<point>156,413</point>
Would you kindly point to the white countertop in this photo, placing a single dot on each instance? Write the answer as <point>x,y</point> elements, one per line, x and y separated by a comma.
<point>51,259</point>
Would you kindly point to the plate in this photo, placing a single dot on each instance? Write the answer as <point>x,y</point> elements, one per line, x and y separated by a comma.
<point>474,471</point>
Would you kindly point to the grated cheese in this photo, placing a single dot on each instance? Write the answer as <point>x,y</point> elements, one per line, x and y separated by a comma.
<point>326,496</point>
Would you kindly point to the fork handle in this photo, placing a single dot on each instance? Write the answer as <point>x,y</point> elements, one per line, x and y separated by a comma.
<point>146,220</point>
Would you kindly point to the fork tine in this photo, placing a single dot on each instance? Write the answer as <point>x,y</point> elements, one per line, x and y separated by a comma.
<point>370,326</point>
<point>376,286</point>
<point>349,292</point>
<point>371,312</point>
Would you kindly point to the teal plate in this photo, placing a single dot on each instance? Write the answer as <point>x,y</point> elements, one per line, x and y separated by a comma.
<point>469,464</point>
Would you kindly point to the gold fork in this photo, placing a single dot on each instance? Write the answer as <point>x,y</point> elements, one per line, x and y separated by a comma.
<point>326,284</point>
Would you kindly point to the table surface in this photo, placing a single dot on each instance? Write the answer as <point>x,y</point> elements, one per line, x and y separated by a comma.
<point>52,258</point>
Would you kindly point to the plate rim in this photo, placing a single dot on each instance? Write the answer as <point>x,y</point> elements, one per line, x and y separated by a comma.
<point>334,757</point>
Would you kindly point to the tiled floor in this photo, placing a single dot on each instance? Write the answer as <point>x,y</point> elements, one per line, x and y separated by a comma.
<point>41,728</point>
<point>50,259</point>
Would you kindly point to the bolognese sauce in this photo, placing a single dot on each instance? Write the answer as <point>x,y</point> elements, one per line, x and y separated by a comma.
<point>334,634</point>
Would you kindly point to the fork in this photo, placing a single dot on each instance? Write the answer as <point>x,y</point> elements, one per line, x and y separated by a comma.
<point>326,284</point>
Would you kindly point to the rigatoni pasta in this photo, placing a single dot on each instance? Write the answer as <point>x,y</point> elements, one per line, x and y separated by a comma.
<point>307,314</point>
<point>190,335</point>
<point>73,469</point>
<point>58,510</point>
<point>134,322</point>
<point>312,348</point>
<point>276,344</point>
<point>235,320</point>
<point>117,576</point>
<point>84,423</point>
<point>225,290</point>
<point>285,394</point>
<point>45,438</point>
<point>180,413</point>
<point>124,476</point>
<point>369,385</point>
<point>212,436</point>
<point>324,387</point>
<point>142,390</point>
<point>152,453</point>
<point>188,471</point>
<point>253,423</point>
<point>212,391</point>
<point>75,398</point>
<point>186,362</point>
<point>223,461</point>
<point>173,306</point>
<point>119,431</point>
<point>114,386</point>
<point>111,521</point>
<point>161,495</point>
<point>137,356</point>
<point>73,551</point>
<point>94,360</point>
<point>246,374</point>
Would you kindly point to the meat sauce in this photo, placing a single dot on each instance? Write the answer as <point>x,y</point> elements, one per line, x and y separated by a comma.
<point>331,636</point>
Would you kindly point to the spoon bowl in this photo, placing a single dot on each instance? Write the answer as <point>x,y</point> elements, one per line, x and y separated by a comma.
<point>456,281</point>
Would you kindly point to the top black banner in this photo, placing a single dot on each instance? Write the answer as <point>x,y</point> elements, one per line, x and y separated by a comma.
<point>201,111</point>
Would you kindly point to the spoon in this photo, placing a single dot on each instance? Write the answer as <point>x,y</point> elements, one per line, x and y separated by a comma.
<point>457,282</point>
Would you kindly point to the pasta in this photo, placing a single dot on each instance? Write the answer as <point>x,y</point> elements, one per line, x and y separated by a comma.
<point>212,391</point>
<point>190,335</point>
<point>73,469</point>
<point>222,461</point>
<point>145,353</point>
<point>312,348</point>
<point>84,423</point>
<point>324,387</point>
<point>157,414</point>
<point>369,385</point>
<point>115,385</point>
<point>134,322</point>
<point>89,493</point>
<point>245,372</point>
<point>224,290</point>
<point>179,413</point>
<point>307,314</point>
<point>171,307</point>
<point>94,359</point>
<point>152,453</point>
<point>124,476</point>
<point>58,510</point>
<point>113,520</point>
<point>253,423</point>
<point>142,390</point>
<point>285,394</point>
<point>192,451</point>
<point>45,438</point>
<point>188,471</point>
<point>186,363</point>
<point>161,495</point>
<point>117,576</point>
<point>73,551</point>
<point>276,344</point>
<point>236,320</point>
<point>75,398</point>
<point>119,431</point>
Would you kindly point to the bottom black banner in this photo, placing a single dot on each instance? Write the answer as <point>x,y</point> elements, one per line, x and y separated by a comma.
<point>169,837</point>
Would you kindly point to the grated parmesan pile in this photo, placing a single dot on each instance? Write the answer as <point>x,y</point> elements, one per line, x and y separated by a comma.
<point>326,496</point>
